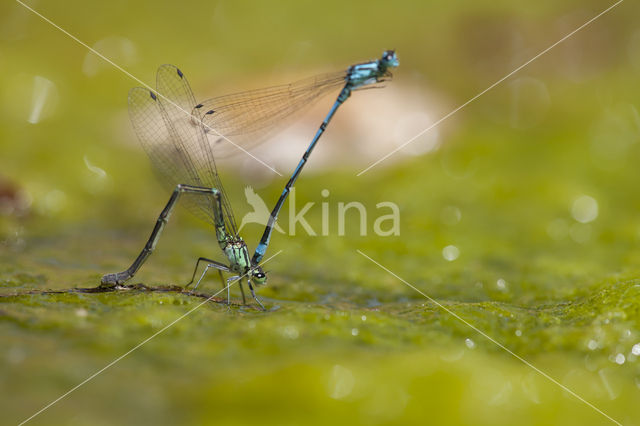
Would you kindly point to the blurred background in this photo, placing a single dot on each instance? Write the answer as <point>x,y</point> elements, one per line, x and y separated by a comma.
<point>519,212</point>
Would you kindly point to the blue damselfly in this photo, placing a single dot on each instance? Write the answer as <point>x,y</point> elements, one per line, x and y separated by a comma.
<point>183,138</point>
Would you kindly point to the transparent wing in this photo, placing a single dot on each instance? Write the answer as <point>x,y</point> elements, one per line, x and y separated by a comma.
<point>175,140</point>
<point>249,118</point>
<point>177,103</point>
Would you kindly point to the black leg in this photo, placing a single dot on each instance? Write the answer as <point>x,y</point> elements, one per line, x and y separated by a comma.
<point>253,293</point>
<point>121,277</point>
<point>221,278</point>
<point>244,300</point>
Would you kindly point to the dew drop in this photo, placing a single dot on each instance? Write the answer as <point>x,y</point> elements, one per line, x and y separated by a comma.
<point>584,209</point>
<point>502,284</point>
<point>41,98</point>
<point>450,253</point>
<point>341,382</point>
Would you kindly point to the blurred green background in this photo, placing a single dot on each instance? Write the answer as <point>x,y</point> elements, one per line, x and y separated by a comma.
<point>520,215</point>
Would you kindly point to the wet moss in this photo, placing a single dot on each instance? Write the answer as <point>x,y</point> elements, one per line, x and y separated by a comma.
<point>343,339</point>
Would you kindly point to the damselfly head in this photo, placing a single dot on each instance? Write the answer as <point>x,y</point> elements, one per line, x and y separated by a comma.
<point>258,276</point>
<point>390,59</point>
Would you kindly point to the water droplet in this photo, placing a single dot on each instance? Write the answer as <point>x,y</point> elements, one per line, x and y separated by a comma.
<point>610,386</point>
<point>584,209</point>
<point>452,356</point>
<point>81,313</point>
<point>518,333</point>
<point>502,285</point>
<point>620,359</point>
<point>97,180</point>
<point>341,382</point>
<point>470,343</point>
<point>636,349</point>
<point>364,318</point>
<point>592,345</point>
<point>450,253</point>
<point>100,173</point>
<point>41,98</point>
<point>355,332</point>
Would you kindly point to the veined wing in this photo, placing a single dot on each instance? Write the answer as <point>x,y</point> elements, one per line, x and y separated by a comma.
<point>175,141</point>
<point>248,118</point>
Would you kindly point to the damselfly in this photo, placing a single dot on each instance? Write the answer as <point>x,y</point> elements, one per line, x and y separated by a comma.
<point>182,138</point>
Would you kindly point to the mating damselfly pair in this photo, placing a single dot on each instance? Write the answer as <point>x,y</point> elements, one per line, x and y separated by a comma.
<point>183,137</point>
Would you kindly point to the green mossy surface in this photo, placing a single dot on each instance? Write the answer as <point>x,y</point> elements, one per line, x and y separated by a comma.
<point>343,341</point>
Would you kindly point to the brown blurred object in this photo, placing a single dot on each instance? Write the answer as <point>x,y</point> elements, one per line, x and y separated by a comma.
<point>14,201</point>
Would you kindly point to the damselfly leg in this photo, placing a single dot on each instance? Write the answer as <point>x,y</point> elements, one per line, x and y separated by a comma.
<point>121,277</point>
<point>220,267</point>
